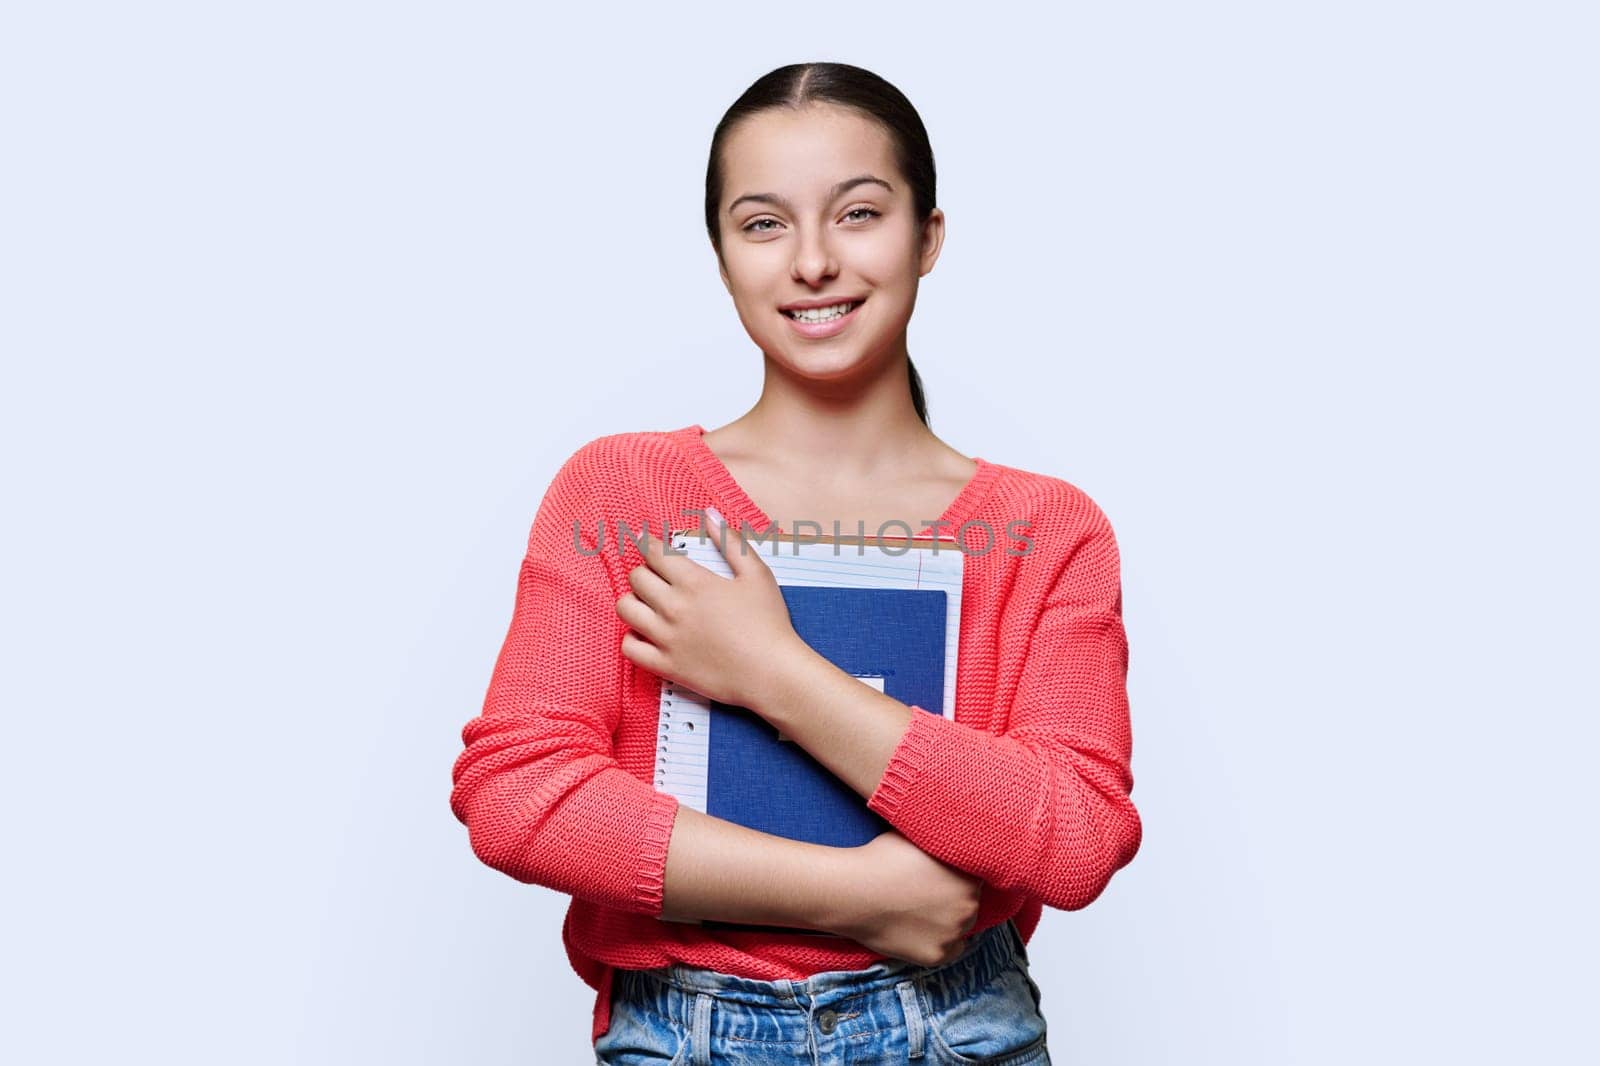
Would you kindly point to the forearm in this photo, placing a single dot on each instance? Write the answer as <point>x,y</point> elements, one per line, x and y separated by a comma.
<point>724,871</point>
<point>846,725</point>
<point>1044,808</point>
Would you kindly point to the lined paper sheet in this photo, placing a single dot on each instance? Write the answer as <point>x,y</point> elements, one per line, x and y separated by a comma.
<point>683,738</point>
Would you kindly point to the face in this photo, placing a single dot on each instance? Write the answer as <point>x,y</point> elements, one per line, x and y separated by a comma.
<point>797,227</point>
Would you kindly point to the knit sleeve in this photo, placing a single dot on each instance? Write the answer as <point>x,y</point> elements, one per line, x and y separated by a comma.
<point>1043,807</point>
<point>538,787</point>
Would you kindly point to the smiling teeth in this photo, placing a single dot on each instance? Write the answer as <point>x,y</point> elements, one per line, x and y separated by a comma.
<point>821,314</point>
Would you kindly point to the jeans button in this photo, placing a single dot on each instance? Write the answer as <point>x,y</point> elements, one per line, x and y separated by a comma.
<point>827,1020</point>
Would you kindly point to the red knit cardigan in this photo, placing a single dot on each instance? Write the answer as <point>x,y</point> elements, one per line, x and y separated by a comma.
<point>1027,787</point>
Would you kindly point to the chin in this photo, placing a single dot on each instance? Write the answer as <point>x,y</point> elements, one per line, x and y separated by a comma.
<point>823,365</point>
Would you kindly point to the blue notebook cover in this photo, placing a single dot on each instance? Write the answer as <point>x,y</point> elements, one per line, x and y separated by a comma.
<point>759,779</point>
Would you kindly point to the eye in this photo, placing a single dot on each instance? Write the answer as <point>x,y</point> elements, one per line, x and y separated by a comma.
<point>862,210</point>
<point>750,227</point>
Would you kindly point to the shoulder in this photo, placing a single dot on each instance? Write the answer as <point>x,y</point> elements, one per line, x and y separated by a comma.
<point>617,465</point>
<point>603,481</point>
<point>1071,555</point>
<point>1051,504</point>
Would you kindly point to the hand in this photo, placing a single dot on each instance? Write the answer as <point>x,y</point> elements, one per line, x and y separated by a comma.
<point>908,905</point>
<point>715,635</point>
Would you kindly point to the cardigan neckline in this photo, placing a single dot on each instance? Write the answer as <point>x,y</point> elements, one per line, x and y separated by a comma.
<point>737,505</point>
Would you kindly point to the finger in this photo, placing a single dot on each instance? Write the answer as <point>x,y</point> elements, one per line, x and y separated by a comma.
<point>653,549</point>
<point>730,541</point>
<point>643,653</point>
<point>639,616</point>
<point>650,587</point>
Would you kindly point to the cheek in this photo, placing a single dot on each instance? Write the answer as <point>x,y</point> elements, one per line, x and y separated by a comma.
<point>885,264</point>
<point>755,278</point>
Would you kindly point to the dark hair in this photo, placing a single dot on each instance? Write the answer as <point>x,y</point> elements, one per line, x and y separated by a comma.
<point>798,84</point>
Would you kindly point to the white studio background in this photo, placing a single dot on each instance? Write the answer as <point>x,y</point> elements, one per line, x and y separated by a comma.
<point>303,304</point>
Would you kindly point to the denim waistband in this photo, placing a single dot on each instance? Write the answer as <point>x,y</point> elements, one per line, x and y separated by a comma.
<point>672,989</point>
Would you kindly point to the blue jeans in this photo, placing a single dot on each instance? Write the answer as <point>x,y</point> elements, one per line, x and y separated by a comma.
<point>981,1008</point>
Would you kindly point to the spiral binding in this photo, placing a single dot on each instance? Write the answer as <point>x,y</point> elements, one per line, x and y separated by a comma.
<point>683,736</point>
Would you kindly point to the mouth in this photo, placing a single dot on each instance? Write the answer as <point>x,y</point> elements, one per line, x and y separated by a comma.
<point>824,314</point>
<point>823,321</point>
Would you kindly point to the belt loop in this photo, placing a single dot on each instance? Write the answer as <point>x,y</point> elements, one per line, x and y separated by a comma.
<point>1016,935</point>
<point>702,1029</point>
<point>913,1011</point>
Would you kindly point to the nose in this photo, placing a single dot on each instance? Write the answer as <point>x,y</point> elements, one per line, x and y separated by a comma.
<point>814,260</point>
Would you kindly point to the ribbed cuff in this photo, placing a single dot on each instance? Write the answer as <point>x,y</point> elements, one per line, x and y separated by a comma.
<point>650,890</point>
<point>907,764</point>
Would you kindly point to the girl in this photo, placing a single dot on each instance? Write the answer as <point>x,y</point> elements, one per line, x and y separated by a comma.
<point>820,210</point>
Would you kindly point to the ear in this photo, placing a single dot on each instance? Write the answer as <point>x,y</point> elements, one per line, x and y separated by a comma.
<point>932,241</point>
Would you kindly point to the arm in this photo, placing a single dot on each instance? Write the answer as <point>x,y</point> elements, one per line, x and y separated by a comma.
<point>541,793</point>
<point>849,727</point>
<point>537,785</point>
<point>1043,807</point>
<point>721,870</point>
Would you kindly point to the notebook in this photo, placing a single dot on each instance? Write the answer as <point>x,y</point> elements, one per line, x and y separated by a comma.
<point>886,611</point>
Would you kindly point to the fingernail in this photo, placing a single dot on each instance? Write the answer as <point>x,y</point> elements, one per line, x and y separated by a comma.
<point>716,515</point>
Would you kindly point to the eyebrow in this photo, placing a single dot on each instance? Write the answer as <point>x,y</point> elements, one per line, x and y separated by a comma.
<point>834,193</point>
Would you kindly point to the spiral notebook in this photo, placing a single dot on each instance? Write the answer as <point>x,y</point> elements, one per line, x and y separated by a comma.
<point>884,610</point>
